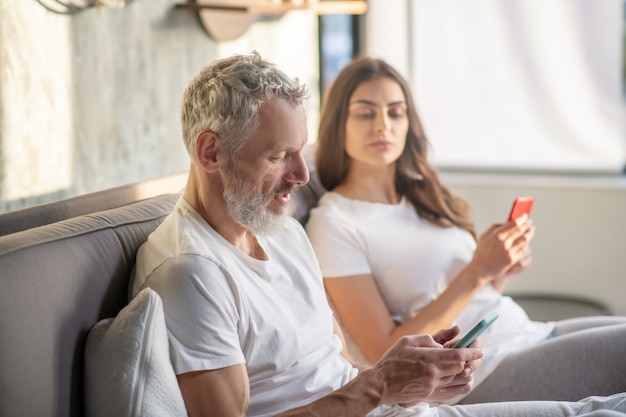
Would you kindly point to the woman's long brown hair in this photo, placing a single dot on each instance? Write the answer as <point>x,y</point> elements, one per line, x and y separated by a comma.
<point>416,178</point>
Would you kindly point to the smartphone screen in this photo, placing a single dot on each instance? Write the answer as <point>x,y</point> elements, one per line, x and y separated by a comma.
<point>476,331</point>
<point>521,205</point>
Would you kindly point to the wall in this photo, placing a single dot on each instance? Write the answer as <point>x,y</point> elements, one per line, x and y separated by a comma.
<point>91,101</point>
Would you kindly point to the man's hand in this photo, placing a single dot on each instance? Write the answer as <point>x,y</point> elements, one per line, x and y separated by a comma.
<point>415,369</point>
<point>463,382</point>
<point>446,338</point>
<point>418,367</point>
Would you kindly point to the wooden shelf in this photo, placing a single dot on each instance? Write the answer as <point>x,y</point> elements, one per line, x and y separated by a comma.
<point>269,8</point>
<point>339,7</point>
<point>226,20</point>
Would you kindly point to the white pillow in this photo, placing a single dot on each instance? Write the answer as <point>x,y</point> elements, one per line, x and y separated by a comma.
<point>127,364</point>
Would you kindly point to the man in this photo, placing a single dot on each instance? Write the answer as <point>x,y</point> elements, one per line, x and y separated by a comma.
<point>249,326</point>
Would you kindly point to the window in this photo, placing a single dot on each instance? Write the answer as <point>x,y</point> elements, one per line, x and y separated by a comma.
<point>624,51</point>
<point>339,43</point>
<point>515,84</point>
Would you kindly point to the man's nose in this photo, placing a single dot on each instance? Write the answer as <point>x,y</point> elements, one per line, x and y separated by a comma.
<point>299,173</point>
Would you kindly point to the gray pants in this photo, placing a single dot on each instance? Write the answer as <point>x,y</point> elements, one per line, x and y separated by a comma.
<point>584,357</point>
<point>612,406</point>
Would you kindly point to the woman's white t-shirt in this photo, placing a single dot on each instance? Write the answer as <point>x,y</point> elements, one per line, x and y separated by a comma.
<point>412,262</point>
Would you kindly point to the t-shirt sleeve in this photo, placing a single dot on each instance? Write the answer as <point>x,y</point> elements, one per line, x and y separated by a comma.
<point>338,245</point>
<point>201,313</point>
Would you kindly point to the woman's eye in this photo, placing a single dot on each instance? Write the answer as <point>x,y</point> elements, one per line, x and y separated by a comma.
<point>397,112</point>
<point>365,115</point>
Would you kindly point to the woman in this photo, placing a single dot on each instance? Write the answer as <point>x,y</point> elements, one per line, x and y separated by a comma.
<point>400,256</point>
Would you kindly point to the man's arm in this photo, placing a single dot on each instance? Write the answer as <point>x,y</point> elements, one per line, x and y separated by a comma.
<point>220,392</point>
<point>414,369</point>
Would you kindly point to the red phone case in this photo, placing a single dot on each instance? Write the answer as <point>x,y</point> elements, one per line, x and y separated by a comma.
<point>521,205</point>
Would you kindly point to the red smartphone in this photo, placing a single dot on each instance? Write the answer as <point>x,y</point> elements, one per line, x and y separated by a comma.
<point>521,205</point>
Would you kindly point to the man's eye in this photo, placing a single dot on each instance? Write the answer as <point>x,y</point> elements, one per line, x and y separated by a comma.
<point>278,158</point>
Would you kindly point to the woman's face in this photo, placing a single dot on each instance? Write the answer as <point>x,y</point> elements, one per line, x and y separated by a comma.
<point>377,123</point>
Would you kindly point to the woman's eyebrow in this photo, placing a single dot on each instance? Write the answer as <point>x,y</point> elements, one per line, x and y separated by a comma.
<point>371,103</point>
<point>363,101</point>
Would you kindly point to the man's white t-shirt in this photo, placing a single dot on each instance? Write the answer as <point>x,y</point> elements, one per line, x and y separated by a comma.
<point>412,262</point>
<point>224,308</point>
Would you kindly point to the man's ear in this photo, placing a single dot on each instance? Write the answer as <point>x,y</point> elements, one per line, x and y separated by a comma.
<point>207,148</point>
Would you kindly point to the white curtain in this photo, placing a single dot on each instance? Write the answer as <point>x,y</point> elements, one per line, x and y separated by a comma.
<point>515,84</point>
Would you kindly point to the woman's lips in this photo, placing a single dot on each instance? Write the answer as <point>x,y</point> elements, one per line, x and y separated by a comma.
<point>381,144</point>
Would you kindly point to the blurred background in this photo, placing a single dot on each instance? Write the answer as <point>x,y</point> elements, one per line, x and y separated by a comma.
<point>517,97</point>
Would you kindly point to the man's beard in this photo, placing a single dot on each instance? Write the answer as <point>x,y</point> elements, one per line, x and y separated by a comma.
<point>249,207</point>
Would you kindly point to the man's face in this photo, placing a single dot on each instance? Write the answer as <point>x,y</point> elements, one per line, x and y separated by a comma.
<point>258,183</point>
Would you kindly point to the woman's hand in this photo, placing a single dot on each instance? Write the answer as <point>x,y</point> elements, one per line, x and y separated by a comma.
<point>502,251</point>
<point>499,282</point>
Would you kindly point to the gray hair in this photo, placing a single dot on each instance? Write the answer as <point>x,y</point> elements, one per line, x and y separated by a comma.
<point>226,95</point>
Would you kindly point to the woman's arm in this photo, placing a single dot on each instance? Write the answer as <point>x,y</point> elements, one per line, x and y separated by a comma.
<point>363,313</point>
<point>365,317</point>
<point>344,352</point>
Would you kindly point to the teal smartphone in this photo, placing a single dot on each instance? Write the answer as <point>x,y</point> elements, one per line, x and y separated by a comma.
<point>476,331</point>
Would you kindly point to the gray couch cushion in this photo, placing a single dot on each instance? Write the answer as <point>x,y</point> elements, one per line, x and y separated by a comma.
<point>57,281</point>
<point>55,211</point>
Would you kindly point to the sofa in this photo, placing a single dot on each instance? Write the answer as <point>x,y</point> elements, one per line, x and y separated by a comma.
<point>65,266</point>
